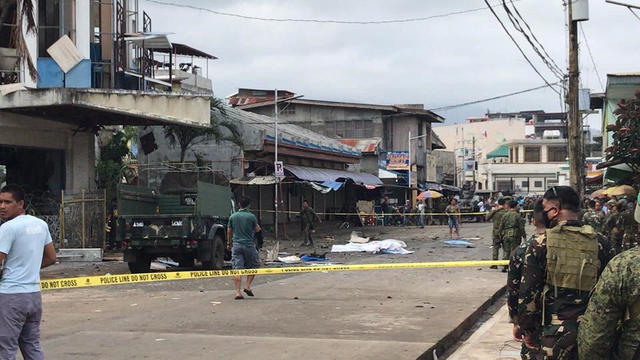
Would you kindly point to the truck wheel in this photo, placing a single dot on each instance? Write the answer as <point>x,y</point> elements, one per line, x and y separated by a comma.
<point>217,255</point>
<point>141,265</point>
<point>186,261</point>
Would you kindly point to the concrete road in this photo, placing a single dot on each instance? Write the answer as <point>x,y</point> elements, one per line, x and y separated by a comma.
<point>383,314</point>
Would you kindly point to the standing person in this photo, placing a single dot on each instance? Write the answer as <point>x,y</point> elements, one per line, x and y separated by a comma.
<point>496,215</point>
<point>627,227</point>
<point>610,328</point>
<point>386,209</point>
<point>453,217</point>
<point>593,217</point>
<point>511,230</point>
<point>421,210</point>
<point>560,268</point>
<point>112,221</point>
<point>241,231</point>
<point>514,277</point>
<point>610,226</point>
<point>25,248</point>
<point>308,217</point>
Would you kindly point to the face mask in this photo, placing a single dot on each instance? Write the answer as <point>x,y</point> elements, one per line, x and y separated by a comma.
<point>549,223</point>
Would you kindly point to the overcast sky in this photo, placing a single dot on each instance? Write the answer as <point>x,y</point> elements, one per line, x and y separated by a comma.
<point>436,62</point>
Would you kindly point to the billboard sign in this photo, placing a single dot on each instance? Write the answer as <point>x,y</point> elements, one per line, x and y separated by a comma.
<point>397,160</point>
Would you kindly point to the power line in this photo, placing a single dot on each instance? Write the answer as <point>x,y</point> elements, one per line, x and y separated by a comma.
<point>537,47</point>
<point>634,13</point>
<point>591,56</point>
<point>519,48</point>
<point>319,21</point>
<point>495,97</point>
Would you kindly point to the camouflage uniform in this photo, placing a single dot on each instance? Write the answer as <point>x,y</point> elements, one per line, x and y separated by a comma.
<point>594,218</point>
<point>496,215</point>
<point>610,230</point>
<point>547,313</point>
<point>514,277</point>
<point>628,230</point>
<point>511,232</point>
<point>606,332</point>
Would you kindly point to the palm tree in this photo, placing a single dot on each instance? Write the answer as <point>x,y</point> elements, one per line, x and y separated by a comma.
<point>26,15</point>
<point>186,136</point>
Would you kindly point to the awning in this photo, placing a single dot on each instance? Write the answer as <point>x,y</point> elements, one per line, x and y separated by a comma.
<point>501,151</point>
<point>322,175</point>
<point>258,180</point>
<point>618,172</point>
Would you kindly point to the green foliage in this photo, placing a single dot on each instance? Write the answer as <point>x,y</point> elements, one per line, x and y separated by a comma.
<point>186,137</point>
<point>110,165</point>
<point>626,136</point>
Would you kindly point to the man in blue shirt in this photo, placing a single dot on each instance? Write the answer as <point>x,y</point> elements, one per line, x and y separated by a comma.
<point>25,248</point>
<point>241,231</point>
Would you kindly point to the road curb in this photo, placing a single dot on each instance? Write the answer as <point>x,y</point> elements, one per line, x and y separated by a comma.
<point>444,344</point>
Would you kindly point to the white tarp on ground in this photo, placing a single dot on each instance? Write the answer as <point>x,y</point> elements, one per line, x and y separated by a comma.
<point>389,246</point>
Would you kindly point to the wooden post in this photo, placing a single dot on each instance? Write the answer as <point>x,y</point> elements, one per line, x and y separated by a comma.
<point>61,219</point>
<point>104,216</point>
<point>574,120</point>
<point>84,232</point>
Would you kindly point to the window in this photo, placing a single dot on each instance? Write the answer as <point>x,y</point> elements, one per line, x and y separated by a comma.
<point>517,157</point>
<point>557,153</point>
<point>479,186</point>
<point>513,159</point>
<point>532,154</point>
<point>368,128</point>
<point>525,185</point>
<point>537,184</point>
<point>49,29</point>
<point>260,93</point>
<point>504,185</point>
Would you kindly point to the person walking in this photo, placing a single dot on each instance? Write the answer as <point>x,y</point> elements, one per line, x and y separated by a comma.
<point>386,210</point>
<point>627,227</point>
<point>496,215</point>
<point>453,217</point>
<point>25,248</point>
<point>560,268</point>
<point>514,277</point>
<point>421,210</point>
<point>308,217</point>
<point>241,231</point>
<point>610,328</point>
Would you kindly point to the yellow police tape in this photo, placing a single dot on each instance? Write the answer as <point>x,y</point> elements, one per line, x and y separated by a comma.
<point>90,281</point>
<point>383,214</point>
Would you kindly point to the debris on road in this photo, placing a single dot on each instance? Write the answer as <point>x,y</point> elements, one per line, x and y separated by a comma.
<point>389,246</point>
<point>314,257</point>
<point>358,238</point>
<point>459,243</point>
<point>290,259</point>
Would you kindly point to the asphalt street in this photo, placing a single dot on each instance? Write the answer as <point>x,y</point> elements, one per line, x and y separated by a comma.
<point>379,314</point>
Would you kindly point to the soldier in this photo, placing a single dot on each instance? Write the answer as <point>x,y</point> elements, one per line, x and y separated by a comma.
<point>609,228</point>
<point>514,276</point>
<point>627,227</point>
<point>511,230</point>
<point>610,328</point>
<point>496,215</point>
<point>594,217</point>
<point>560,268</point>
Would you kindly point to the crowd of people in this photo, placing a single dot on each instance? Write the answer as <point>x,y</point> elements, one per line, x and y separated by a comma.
<point>567,298</point>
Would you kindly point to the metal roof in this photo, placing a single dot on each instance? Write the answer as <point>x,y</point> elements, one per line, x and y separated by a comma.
<point>322,175</point>
<point>288,133</point>
<point>150,40</point>
<point>182,49</point>
<point>501,151</point>
<point>363,145</point>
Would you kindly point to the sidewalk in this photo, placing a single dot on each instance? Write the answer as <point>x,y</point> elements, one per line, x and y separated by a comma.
<point>493,340</point>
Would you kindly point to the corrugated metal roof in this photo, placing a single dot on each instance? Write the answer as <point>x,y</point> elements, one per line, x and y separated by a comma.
<point>288,133</point>
<point>322,175</point>
<point>363,145</point>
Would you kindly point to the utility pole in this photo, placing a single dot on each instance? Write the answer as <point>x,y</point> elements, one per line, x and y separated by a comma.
<point>474,163</point>
<point>275,190</point>
<point>574,120</point>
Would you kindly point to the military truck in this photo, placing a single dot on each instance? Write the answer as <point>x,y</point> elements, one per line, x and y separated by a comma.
<point>183,222</point>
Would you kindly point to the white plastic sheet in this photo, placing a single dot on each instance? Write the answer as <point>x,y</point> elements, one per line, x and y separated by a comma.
<point>389,246</point>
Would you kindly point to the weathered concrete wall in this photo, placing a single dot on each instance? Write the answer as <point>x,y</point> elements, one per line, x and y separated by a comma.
<point>25,131</point>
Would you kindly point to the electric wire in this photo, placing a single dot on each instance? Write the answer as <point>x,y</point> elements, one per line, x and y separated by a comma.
<point>540,51</point>
<point>591,56</point>
<point>634,13</point>
<point>519,48</point>
<point>449,107</point>
<point>319,21</point>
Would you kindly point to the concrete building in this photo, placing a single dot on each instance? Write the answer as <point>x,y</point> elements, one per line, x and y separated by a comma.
<point>54,101</point>
<point>343,120</point>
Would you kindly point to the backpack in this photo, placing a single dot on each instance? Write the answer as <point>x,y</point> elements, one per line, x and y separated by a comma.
<point>572,257</point>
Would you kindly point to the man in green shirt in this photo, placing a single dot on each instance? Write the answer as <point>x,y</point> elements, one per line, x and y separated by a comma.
<point>308,217</point>
<point>241,230</point>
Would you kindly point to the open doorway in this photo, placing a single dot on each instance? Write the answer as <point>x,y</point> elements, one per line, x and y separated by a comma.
<point>41,172</point>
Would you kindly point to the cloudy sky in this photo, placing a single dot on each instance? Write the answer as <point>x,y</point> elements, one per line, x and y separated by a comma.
<point>437,62</point>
